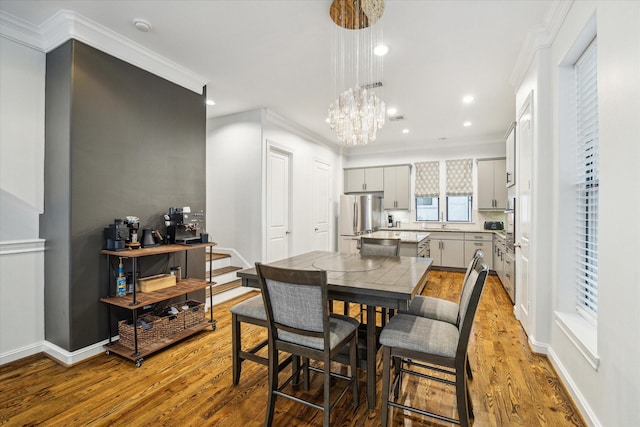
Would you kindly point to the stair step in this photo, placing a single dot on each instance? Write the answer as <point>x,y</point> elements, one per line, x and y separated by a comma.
<point>225,287</point>
<point>224,270</point>
<point>215,256</point>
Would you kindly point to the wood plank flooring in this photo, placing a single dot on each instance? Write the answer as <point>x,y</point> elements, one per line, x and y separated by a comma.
<point>189,384</point>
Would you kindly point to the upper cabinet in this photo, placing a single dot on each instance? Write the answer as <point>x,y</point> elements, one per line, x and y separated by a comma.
<point>511,155</point>
<point>492,191</point>
<point>397,187</point>
<point>363,180</point>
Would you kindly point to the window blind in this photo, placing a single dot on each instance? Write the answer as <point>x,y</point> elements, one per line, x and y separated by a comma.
<point>428,179</point>
<point>587,187</point>
<point>459,177</point>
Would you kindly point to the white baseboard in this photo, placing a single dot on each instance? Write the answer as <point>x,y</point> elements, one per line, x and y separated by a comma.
<point>61,355</point>
<point>583,406</point>
<point>69,358</point>
<point>20,353</point>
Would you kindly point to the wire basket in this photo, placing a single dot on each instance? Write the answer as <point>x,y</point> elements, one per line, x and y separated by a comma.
<point>192,312</point>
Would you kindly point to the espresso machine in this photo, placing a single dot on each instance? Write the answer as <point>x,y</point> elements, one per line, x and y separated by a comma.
<point>184,226</point>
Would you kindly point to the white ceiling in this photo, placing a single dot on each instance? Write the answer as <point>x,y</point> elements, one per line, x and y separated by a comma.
<point>277,55</point>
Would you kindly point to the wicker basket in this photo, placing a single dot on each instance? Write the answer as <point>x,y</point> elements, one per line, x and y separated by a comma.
<point>193,315</point>
<point>155,329</point>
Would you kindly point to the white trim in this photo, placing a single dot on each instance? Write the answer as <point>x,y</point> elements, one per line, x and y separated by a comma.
<point>583,404</point>
<point>540,37</point>
<point>538,347</point>
<point>10,247</point>
<point>69,358</point>
<point>66,24</point>
<point>20,353</point>
<point>581,333</point>
<point>20,31</point>
<point>276,119</point>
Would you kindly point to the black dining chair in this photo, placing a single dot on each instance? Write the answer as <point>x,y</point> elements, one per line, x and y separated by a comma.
<point>441,309</point>
<point>410,341</point>
<point>250,311</point>
<point>300,323</point>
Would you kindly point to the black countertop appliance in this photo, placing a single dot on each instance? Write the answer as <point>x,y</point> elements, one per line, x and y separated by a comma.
<point>494,225</point>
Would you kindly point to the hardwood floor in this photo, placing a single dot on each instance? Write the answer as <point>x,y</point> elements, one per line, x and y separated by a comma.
<point>190,383</point>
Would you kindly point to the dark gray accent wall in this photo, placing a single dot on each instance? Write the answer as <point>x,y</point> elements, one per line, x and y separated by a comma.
<point>119,141</point>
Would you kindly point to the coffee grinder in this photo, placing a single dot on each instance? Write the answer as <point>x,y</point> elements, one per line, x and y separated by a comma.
<point>133,223</point>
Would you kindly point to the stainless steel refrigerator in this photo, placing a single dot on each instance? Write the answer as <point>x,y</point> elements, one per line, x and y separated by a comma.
<point>358,214</point>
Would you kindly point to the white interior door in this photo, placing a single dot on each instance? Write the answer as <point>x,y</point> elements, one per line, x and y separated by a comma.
<point>321,205</point>
<point>523,217</point>
<point>278,191</point>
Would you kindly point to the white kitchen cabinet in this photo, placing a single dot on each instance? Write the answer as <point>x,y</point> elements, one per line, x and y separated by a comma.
<point>363,180</point>
<point>482,241</point>
<point>397,187</point>
<point>447,249</point>
<point>492,190</point>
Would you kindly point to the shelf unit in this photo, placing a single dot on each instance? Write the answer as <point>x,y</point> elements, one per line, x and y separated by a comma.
<point>137,300</point>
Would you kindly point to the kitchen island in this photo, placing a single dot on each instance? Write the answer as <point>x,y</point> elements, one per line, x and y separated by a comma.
<point>412,243</point>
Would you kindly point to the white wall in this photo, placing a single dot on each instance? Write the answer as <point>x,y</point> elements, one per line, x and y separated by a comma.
<point>362,158</point>
<point>236,156</point>
<point>609,393</point>
<point>22,79</point>
<point>234,183</point>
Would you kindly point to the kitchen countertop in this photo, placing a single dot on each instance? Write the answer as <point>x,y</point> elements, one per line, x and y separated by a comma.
<point>404,235</point>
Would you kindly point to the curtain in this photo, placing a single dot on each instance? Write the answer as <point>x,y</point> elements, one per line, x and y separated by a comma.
<point>428,179</point>
<point>459,181</point>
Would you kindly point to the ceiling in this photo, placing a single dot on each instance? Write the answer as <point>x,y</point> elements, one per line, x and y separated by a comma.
<point>277,55</point>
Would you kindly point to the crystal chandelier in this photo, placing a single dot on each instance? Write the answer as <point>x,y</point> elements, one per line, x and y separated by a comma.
<point>357,112</point>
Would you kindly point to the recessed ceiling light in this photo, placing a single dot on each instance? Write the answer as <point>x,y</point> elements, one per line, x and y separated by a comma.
<point>142,25</point>
<point>466,124</point>
<point>381,50</point>
<point>392,111</point>
<point>210,102</point>
<point>405,130</point>
<point>467,99</point>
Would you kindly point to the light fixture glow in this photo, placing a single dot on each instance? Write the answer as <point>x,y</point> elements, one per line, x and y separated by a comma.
<point>391,111</point>
<point>468,99</point>
<point>381,50</point>
<point>405,131</point>
<point>466,124</point>
<point>210,102</point>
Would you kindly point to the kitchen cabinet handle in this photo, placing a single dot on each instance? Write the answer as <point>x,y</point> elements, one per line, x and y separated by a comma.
<point>316,229</point>
<point>478,244</point>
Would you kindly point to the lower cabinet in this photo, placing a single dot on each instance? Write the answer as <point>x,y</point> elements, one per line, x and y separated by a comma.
<point>482,241</point>
<point>504,265</point>
<point>447,249</point>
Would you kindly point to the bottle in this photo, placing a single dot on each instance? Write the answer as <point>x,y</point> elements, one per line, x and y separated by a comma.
<point>121,281</point>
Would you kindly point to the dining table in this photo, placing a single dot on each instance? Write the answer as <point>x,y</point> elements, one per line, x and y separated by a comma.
<point>374,281</point>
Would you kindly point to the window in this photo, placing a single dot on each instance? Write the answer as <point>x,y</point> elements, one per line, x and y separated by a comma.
<point>427,191</point>
<point>587,187</point>
<point>459,190</point>
<point>459,208</point>
<point>427,208</point>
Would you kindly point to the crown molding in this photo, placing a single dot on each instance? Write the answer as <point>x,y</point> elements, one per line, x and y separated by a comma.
<point>276,119</point>
<point>540,37</point>
<point>20,31</point>
<point>66,24</point>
